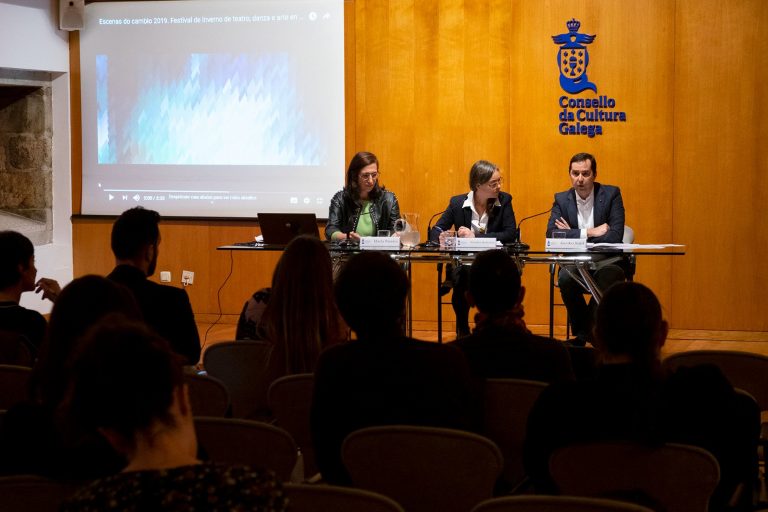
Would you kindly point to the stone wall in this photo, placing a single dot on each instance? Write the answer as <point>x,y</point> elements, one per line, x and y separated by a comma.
<point>25,158</point>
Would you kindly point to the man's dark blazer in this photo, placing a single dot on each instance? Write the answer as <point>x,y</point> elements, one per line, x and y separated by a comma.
<point>501,222</point>
<point>608,208</point>
<point>166,309</point>
<point>386,381</point>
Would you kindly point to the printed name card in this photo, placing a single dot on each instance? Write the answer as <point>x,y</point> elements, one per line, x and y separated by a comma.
<point>566,244</point>
<point>380,243</point>
<point>475,244</point>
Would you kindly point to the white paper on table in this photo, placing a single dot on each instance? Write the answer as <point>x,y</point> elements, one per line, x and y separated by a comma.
<point>633,246</point>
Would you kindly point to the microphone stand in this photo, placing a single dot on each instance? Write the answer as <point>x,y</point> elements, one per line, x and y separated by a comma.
<point>518,245</point>
<point>432,243</point>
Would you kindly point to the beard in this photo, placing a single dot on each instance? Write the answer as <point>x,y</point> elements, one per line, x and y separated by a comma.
<point>152,266</point>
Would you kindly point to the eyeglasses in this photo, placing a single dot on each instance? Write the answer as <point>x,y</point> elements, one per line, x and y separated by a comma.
<point>494,183</point>
<point>369,176</point>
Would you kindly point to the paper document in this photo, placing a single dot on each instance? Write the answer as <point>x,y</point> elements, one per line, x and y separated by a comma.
<point>633,246</point>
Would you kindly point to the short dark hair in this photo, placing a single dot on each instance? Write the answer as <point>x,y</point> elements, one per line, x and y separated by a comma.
<point>480,173</point>
<point>629,321</point>
<point>105,390</point>
<point>359,161</point>
<point>494,282</point>
<point>15,250</point>
<point>583,157</point>
<point>370,293</point>
<point>134,230</point>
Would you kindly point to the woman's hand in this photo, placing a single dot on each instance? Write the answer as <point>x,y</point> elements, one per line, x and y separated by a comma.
<point>465,232</point>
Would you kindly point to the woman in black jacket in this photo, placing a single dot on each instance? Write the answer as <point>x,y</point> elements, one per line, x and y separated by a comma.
<point>362,207</point>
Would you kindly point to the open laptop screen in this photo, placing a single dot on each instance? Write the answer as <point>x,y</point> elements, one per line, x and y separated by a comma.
<point>281,228</point>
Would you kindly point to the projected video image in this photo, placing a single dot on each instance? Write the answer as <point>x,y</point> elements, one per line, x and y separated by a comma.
<point>193,109</point>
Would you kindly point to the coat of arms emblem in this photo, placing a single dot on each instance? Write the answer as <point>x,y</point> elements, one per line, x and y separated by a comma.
<point>573,58</point>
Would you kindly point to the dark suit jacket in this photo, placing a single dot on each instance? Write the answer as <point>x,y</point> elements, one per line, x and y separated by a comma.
<point>501,222</point>
<point>498,353</point>
<point>608,208</point>
<point>166,309</point>
<point>388,381</point>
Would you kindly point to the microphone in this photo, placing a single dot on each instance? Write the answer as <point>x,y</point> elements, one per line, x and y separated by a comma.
<point>518,245</point>
<point>432,243</point>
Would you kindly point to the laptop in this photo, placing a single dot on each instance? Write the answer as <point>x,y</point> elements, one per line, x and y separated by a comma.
<point>281,228</point>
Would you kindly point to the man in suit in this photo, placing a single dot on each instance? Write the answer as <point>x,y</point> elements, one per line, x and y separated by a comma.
<point>485,212</point>
<point>382,377</point>
<point>166,309</point>
<point>596,212</point>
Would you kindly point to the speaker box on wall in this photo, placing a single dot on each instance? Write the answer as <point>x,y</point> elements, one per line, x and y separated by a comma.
<point>71,14</point>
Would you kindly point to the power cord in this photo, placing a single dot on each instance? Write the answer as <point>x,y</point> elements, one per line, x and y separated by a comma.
<point>218,300</point>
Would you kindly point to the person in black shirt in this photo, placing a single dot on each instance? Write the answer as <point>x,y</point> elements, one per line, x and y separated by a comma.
<point>166,309</point>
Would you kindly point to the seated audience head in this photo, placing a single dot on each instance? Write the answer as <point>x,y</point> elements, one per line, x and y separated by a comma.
<point>136,237</point>
<point>356,183</point>
<point>629,324</point>
<point>81,304</point>
<point>370,292</point>
<point>494,283</point>
<point>17,263</point>
<point>128,385</point>
<point>301,317</point>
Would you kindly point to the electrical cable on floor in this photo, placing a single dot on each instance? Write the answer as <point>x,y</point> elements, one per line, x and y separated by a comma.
<point>218,300</point>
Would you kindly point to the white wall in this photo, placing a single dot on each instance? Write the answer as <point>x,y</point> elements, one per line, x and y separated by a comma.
<point>30,40</point>
<point>29,36</point>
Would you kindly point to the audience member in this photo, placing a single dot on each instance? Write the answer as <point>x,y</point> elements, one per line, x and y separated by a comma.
<point>301,317</point>
<point>17,275</point>
<point>501,345</point>
<point>149,420</point>
<point>631,399</point>
<point>250,316</point>
<point>383,377</point>
<point>31,441</point>
<point>166,309</point>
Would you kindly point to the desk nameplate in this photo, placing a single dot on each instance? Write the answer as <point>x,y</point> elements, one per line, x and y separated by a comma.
<point>566,244</point>
<point>378,243</point>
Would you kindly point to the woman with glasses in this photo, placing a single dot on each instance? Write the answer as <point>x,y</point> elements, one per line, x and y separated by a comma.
<point>362,207</point>
<point>485,211</point>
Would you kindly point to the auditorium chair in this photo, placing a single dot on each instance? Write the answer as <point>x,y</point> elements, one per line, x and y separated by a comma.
<point>325,498</point>
<point>533,503</point>
<point>243,367</point>
<point>505,418</point>
<point>425,469</point>
<point>248,442</point>
<point>27,493</point>
<point>208,396</point>
<point>672,477</point>
<point>290,400</point>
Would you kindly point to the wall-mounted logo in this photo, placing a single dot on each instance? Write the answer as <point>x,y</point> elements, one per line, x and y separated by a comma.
<point>573,59</point>
<point>582,115</point>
